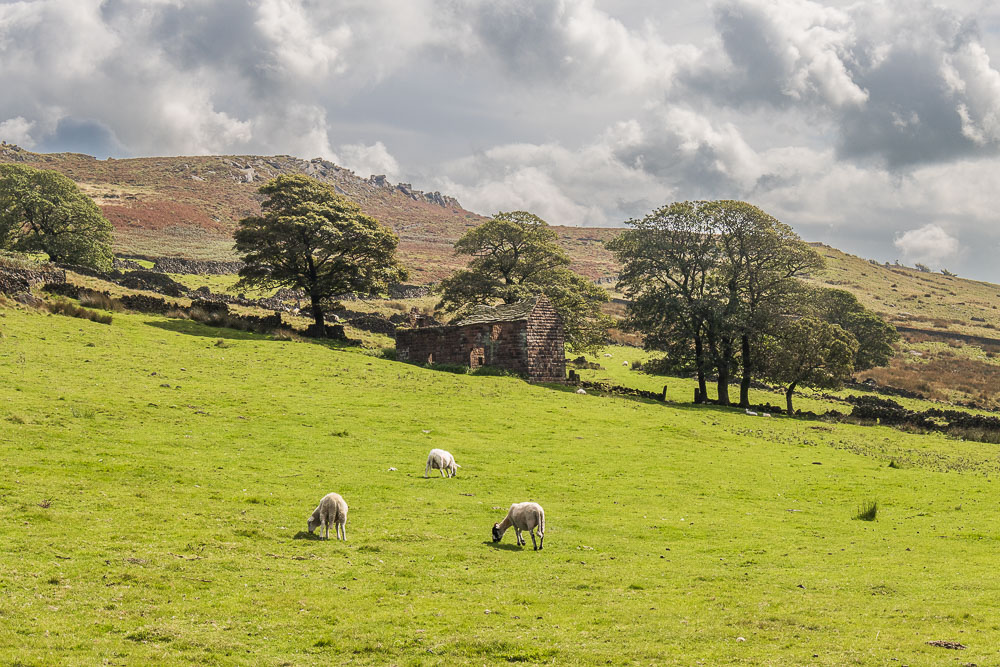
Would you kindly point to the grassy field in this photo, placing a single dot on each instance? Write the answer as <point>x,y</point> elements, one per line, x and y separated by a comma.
<point>159,475</point>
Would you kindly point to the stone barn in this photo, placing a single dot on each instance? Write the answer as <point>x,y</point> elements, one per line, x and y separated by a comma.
<point>525,337</point>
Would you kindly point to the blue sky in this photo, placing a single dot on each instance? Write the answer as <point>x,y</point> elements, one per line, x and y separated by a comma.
<point>872,126</point>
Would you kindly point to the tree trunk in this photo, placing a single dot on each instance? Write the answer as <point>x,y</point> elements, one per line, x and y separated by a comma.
<point>788,398</point>
<point>318,315</point>
<point>723,384</point>
<point>724,361</point>
<point>745,382</point>
<point>699,360</point>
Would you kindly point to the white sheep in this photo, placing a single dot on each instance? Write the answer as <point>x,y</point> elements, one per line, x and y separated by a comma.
<point>523,516</point>
<point>581,391</point>
<point>624,363</point>
<point>331,509</point>
<point>751,413</point>
<point>441,460</point>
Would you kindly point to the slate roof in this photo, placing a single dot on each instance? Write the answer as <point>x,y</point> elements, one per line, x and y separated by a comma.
<point>503,313</point>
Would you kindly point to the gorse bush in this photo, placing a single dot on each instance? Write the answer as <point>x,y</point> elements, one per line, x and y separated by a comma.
<point>64,307</point>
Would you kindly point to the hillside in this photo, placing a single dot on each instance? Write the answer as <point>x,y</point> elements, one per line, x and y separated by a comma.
<point>160,474</point>
<point>189,206</point>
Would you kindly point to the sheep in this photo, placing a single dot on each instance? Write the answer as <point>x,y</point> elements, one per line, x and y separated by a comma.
<point>439,459</point>
<point>751,413</point>
<point>581,391</point>
<point>624,363</point>
<point>331,509</point>
<point>523,516</point>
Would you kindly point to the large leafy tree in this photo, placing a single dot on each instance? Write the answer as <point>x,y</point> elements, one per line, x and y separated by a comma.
<point>715,274</point>
<point>808,351</point>
<point>311,238</point>
<point>668,259</point>
<point>763,260</point>
<point>44,211</point>
<point>515,256</point>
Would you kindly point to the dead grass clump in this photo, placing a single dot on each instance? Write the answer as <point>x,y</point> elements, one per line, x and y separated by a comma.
<point>975,434</point>
<point>65,307</point>
<point>288,335</point>
<point>101,301</point>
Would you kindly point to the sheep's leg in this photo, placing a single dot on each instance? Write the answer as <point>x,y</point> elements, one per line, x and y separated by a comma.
<point>541,540</point>
<point>344,527</point>
<point>427,469</point>
<point>533,543</point>
<point>520,539</point>
<point>443,473</point>
<point>326,531</point>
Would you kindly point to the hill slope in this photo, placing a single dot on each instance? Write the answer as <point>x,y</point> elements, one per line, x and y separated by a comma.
<point>189,206</point>
<point>160,474</point>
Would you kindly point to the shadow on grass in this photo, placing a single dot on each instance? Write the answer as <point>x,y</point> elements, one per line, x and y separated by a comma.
<point>306,535</point>
<point>500,546</point>
<point>193,328</point>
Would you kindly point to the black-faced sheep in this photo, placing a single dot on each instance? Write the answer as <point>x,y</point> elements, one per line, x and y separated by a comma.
<point>523,516</point>
<point>331,510</point>
<point>441,460</point>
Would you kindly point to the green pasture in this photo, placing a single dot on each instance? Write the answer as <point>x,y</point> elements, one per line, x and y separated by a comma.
<point>158,475</point>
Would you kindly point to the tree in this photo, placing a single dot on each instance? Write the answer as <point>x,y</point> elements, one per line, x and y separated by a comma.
<point>808,351</point>
<point>311,238</point>
<point>764,259</point>
<point>44,211</point>
<point>875,336</point>
<point>715,273</point>
<point>667,262</point>
<point>515,256</point>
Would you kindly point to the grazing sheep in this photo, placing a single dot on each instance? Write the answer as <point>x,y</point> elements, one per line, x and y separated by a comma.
<point>523,516</point>
<point>607,354</point>
<point>581,390</point>
<point>751,413</point>
<point>624,363</point>
<point>332,509</point>
<point>441,460</point>
<point>765,414</point>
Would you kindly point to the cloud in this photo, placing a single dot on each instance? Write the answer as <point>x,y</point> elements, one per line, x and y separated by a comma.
<point>929,244</point>
<point>17,130</point>
<point>369,160</point>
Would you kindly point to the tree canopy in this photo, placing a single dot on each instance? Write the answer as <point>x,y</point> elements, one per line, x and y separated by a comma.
<point>875,336</point>
<point>515,256</point>
<point>311,238</point>
<point>809,351</point>
<point>706,279</point>
<point>44,211</point>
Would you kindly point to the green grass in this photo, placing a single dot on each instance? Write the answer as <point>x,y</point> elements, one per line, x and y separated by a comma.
<point>178,475</point>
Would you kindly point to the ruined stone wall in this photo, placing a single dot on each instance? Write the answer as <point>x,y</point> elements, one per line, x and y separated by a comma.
<point>546,344</point>
<point>15,280</point>
<point>500,344</point>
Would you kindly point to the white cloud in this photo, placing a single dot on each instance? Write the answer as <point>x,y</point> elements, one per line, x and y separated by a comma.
<point>929,244</point>
<point>17,130</point>
<point>369,160</point>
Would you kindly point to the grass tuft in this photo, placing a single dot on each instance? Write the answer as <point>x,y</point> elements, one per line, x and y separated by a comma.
<point>867,511</point>
<point>65,307</point>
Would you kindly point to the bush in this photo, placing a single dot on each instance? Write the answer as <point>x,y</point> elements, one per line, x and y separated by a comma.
<point>64,307</point>
<point>494,371</point>
<point>387,353</point>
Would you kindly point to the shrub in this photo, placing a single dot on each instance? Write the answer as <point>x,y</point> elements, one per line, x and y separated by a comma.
<point>494,371</point>
<point>867,511</point>
<point>64,307</point>
<point>387,353</point>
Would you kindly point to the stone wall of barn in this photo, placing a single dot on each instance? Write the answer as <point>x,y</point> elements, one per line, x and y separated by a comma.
<point>546,344</point>
<point>500,344</point>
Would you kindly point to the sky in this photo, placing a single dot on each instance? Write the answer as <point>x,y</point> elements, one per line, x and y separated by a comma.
<point>871,126</point>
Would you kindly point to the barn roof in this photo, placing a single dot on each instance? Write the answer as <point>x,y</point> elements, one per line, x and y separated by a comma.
<point>503,313</point>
